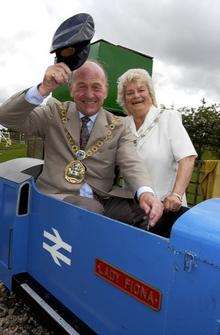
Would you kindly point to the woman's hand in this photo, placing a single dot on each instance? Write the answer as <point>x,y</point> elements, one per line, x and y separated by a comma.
<point>172,203</point>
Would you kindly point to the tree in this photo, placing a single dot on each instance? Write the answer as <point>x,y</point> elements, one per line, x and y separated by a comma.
<point>203,126</point>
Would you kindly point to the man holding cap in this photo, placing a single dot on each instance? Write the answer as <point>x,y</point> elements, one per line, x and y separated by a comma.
<point>83,144</point>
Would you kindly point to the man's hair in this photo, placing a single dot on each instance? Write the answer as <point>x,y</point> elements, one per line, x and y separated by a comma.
<point>134,75</point>
<point>71,80</point>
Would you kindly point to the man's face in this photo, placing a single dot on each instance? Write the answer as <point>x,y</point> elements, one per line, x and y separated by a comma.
<point>89,88</point>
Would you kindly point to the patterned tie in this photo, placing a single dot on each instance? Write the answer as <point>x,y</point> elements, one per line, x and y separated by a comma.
<point>84,134</point>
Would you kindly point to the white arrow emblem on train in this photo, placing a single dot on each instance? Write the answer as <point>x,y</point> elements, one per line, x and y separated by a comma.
<point>58,244</point>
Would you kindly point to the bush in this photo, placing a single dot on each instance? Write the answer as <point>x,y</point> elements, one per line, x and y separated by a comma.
<point>203,127</point>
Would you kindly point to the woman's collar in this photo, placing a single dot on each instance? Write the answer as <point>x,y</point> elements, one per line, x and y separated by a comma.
<point>151,115</point>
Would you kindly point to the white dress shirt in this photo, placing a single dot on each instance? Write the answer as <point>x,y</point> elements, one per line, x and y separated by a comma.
<point>85,190</point>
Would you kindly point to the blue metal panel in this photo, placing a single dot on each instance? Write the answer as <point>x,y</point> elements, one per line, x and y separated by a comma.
<point>199,230</point>
<point>13,225</point>
<point>194,302</point>
<point>13,232</point>
<point>8,202</point>
<point>102,306</point>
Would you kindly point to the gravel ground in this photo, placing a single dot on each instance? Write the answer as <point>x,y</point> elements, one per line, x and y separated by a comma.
<point>17,318</point>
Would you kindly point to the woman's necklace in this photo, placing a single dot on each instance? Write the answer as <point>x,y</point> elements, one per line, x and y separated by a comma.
<point>149,128</point>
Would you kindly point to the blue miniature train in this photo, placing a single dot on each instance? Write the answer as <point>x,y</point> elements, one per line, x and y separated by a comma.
<point>116,278</point>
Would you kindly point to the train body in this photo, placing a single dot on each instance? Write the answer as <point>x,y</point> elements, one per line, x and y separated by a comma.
<point>118,279</point>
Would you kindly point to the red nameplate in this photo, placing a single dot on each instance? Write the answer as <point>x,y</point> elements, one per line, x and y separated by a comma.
<point>132,286</point>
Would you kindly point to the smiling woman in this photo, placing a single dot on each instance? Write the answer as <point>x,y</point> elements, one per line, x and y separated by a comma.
<point>161,140</point>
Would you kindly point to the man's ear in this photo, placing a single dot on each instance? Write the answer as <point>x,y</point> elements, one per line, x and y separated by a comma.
<point>106,92</point>
<point>71,90</point>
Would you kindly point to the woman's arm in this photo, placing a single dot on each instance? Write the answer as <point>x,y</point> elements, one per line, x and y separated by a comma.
<point>185,168</point>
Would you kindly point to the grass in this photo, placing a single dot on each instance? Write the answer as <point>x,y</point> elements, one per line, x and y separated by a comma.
<point>16,150</point>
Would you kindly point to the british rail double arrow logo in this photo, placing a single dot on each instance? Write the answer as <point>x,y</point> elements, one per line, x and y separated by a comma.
<point>58,244</point>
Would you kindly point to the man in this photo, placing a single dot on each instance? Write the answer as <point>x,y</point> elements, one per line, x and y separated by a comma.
<point>83,143</point>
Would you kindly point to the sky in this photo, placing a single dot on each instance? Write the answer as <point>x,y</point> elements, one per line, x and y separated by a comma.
<point>182,36</point>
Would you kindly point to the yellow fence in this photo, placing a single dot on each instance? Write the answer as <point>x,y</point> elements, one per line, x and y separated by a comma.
<point>205,182</point>
<point>210,179</point>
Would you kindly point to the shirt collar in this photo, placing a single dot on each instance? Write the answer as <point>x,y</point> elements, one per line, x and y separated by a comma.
<point>153,112</point>
<point>92,117</point>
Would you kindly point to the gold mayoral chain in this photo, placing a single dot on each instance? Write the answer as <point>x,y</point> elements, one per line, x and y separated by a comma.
<point>75,170</point>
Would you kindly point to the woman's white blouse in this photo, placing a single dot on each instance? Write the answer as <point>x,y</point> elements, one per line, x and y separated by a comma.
<point>161,142</point>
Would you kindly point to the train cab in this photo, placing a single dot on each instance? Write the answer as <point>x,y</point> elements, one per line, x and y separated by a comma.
<point>116,278</point>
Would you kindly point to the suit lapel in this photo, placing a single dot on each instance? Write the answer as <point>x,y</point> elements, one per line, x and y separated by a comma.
<point>73,123</point>
<point>99,129</point>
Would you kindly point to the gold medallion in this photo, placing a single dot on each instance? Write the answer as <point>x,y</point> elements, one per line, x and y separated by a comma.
<point>75,172</point>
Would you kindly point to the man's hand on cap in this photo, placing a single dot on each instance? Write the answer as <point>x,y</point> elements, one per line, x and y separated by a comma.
<point>152,206</point>
<point>55,75</point>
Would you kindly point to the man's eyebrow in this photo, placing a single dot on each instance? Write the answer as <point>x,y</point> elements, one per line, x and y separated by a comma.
<point>97,83</point>
<point>80,83</point>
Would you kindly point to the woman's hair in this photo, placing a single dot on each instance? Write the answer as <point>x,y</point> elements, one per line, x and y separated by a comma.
<point>135,75</point>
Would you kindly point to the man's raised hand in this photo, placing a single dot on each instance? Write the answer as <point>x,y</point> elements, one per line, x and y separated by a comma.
<point>55,75</point>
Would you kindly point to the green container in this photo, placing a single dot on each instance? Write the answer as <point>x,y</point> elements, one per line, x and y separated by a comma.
<point>116,60</point>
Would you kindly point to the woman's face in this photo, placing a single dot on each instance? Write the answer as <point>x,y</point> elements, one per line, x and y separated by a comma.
<point>137,98</point>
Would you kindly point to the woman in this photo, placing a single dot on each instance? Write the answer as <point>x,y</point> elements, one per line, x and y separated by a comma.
<point>161,139</point>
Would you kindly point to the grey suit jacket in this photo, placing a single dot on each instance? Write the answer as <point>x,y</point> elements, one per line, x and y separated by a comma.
<point>45,122</point>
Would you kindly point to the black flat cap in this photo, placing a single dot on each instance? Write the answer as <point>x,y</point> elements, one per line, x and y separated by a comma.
<point>71,41</point>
